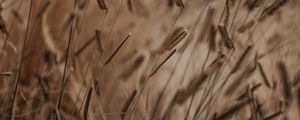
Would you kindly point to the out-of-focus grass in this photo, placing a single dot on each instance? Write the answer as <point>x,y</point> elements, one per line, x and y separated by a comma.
<point>39,66</point>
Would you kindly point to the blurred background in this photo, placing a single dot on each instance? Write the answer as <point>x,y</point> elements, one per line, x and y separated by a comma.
<point>150,59</point>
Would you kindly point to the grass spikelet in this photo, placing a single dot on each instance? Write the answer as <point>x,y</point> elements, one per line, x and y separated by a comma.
<point>20,66</point>
<point>84,46</point>
<point>227,13</point>
<point>162,63</point>
<point>43,9</point>
<point>83,4</point>
<point>136,64</point>
<point>87,104</point>
<point>255,111</point>
<point>235,108</point>
<point>252,4</point>
<point>97,87</point>
<point>212,37</point>
<point>3,26</point>
<point>263,74</point>
<point>273,115</point>
<point>179,3</point>
<point>285,81</point>
<point>243,28</point>
<point>198,81</point>
<point>182,95</point>
<point>117,50</point>
<point>178,35</point>
<point>244,95</point>
<point>241,59</point>
<point>137,6</point>
<point>102,5</point>
<point>225,37</point>
<point>70,20</point>
<point>170,3</point>
<point>98,38</point>
<point>130,6</point>
<point>270,10</point>
<point>275,6</point>
<point>298,99</point>
<point>296,79</point>
<point>44,85</point>
<point>127,104</point>
<point>65,76</point>
<point>247,72</point>
<point>258,110</point>
<point>6,74</point>
<point>17,16</point>
<point>208,27</point>
<point>57,113</point>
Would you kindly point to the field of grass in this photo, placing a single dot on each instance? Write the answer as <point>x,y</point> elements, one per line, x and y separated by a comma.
<point>149,59</point>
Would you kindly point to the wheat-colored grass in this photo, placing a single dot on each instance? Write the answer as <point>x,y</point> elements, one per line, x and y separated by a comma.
<point>149,59</point>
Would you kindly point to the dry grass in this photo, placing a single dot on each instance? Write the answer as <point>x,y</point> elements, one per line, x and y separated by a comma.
<point>149,59</point>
